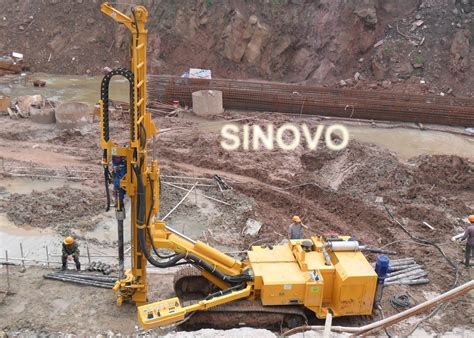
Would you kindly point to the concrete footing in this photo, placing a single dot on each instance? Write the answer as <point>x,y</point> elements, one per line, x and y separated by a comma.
<point>72,115</point>
<point>207,102</point>
<point>42,115</point>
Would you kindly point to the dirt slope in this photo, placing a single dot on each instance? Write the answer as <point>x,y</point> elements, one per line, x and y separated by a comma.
<point>290,40</point>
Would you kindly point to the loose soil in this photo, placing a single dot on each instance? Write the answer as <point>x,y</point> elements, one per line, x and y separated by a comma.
<point>344,192</point>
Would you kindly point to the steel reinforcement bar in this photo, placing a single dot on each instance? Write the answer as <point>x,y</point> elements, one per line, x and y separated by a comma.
<point>298,99</point>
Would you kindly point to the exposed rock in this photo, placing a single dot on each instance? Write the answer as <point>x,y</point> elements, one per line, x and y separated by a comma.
<point>282,46</point>
<point>386,84</point>
<point>460,51</point>
<point>368,16</point>
<point>466,5</point>
<point>395,8</point>
<point>403,70</point>
<point>259,39</point>
<point>185,25</point>
<point>253,19</point>
<point>417,65</point>
<point>324,72</point>
<point>234,44</point>
<point>379,70</point>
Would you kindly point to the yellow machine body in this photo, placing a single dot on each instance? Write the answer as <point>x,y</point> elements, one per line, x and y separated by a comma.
<point>312,273</point>
<point>288,275</point>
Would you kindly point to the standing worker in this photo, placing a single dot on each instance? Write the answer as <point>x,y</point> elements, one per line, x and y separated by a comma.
<point>70,248</point>
<point>296,228</point>
<point>469,237</point>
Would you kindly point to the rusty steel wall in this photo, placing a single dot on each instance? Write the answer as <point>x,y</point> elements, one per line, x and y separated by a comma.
<point>298,99</point>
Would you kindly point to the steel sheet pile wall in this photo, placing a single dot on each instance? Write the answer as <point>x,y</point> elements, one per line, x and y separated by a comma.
<point>349,103</point>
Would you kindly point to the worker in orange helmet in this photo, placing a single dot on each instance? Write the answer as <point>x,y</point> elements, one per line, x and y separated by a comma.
<point>296,228</point>
<point>469,237</point>
<point>70,248</point>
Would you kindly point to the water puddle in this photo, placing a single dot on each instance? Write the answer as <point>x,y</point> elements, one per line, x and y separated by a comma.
<point>409,143</point>
<point>67,88</point>
<point>23,185</point>
<point>35,240</point>
<point>194,224</point>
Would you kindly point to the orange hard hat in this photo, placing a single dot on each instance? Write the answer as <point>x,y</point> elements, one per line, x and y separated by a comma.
<point>296,219</point>
<point>68,240</point>
<point>471,218</point>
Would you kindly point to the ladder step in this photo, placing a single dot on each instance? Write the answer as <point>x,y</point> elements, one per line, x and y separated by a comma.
<point>140,102</point>
<point>140,46</point>
<point>140,84</point>
<point>140,65</point>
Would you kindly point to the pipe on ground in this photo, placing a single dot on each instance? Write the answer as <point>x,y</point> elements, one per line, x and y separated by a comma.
<point>389,321</point>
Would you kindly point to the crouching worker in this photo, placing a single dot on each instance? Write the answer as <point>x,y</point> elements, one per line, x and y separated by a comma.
<point>70,248</point>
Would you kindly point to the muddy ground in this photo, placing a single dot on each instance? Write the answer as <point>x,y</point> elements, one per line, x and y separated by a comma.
<point>345,192</point>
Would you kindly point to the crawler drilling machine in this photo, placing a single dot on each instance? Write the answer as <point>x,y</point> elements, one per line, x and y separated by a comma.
<point>287,283</point>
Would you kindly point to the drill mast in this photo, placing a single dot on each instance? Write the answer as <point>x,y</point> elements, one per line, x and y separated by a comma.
<point>140,179</point>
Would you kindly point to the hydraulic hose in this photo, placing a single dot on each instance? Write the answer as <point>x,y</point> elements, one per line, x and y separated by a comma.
<point>140,197</point>
<point>152,202</point>
<point>107,182</point>
<point>153,261</point>
<point>225,292</point>
<point>190,258</point>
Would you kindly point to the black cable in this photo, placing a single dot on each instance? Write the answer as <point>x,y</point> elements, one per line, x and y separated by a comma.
<point>195,260</point>
<point>425,241</point>
<point>107,182</point>
<point>400,301</point>
<point>450,262</point>
<point>387,332</point>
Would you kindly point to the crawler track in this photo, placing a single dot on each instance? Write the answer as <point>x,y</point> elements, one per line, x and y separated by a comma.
<point>191,286</point>
<point>248,313</point>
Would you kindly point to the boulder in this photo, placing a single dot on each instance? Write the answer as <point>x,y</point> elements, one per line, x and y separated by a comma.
<point>72,115</point>
<point>403,70</point>
<point>252,227</point>
<point>24,102</point>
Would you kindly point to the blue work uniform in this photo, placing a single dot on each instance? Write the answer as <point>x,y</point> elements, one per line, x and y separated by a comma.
<point>296,231</point>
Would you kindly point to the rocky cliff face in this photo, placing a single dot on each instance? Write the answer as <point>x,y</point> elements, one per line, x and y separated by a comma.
<point>317,41</point>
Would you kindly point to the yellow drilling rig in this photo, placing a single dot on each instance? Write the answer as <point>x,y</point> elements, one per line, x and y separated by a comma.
<point>289,282</point>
